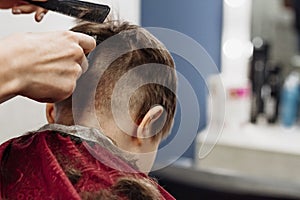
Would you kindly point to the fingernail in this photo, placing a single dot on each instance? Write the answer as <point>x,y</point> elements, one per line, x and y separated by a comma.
<point>41,16</point>
<point>16,11</point>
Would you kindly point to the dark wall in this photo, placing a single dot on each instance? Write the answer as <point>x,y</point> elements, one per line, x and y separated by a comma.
<point>200,20</point>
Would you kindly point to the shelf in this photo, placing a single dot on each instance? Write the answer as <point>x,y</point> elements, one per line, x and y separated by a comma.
<point>263,137</point>
<point>269,152</point>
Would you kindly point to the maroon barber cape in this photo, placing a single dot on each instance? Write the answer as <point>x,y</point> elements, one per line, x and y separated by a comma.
<point>60,162</point>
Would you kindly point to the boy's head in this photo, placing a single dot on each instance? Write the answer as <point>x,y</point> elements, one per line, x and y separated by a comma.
<point>139,82</point>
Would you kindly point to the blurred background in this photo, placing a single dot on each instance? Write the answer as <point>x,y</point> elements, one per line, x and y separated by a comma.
<point>255,44</point>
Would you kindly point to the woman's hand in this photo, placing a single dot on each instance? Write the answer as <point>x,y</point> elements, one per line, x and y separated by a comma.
<point>43,66</point>
<point>23,7</point>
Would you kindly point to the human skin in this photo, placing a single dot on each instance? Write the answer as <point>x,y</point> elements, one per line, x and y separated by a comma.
<point>23,7</point>
<point>41,66</point>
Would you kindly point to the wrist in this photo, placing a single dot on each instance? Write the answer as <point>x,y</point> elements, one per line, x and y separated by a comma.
<point>9,88</point>
<point>9,83</point>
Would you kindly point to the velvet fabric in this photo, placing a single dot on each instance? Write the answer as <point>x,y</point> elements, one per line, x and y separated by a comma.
<point>60,162</point>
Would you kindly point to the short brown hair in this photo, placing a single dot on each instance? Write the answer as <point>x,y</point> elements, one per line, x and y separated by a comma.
<point>146,96</point>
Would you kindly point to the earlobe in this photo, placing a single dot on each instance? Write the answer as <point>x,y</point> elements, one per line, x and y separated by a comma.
<point>50,113</point>
<point>146,128</point>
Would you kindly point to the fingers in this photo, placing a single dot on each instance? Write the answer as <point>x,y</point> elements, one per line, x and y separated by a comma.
<point>84,65</point>
<point>39,14</point>
<point>28,8</point>
<point>24,9</point>
<point>86,42</point>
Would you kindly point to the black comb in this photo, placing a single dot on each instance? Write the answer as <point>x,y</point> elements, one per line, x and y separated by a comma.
<point>79,9</point>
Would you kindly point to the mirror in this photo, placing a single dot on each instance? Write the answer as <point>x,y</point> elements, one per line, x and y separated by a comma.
<point>275,22</point>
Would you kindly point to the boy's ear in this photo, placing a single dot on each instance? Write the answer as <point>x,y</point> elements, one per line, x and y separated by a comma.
<point>50,113</point>
<point>152,122</point>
